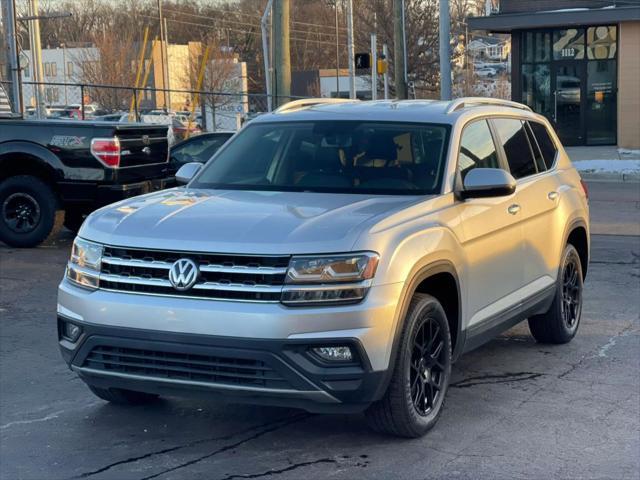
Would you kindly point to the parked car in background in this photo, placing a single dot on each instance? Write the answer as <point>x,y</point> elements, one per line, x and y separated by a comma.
<point>335,256</point>
<point>486,72</point>
<point>199,148</point>
<point>55,172</point>
<point>121,117</point>
<point>184,130</point>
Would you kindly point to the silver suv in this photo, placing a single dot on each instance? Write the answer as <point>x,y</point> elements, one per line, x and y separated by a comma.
<point>333,256</point>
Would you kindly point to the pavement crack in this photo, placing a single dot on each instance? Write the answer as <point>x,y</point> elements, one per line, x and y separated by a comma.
<point>226,448</point>
<point>279,471</point>
<point>499,378</point>
<point>601,352</point>
<point>177,447</point>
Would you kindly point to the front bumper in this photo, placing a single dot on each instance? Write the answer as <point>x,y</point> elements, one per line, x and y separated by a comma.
<point>161,345</point>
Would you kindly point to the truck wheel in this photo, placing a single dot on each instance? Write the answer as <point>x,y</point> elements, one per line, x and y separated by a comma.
<point>29,211</point>
<point>415,396</point>
<point>121,396</point>
<point>560,323</point>
<point>73,219</point>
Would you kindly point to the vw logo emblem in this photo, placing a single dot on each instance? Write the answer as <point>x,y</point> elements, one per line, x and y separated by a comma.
<point>183,274</point>
<point>146,140</point>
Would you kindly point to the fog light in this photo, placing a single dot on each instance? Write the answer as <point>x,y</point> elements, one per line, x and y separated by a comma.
<point>334,354</point>
<point>71,332</point>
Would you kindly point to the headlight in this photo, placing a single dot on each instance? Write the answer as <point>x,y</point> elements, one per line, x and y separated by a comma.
<point>83,268</point>
<point>330,279</point>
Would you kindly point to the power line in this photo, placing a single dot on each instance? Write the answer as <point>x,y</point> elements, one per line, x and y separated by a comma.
<point>252,16</point>
<point>248,32</point>
<point>224,20</point>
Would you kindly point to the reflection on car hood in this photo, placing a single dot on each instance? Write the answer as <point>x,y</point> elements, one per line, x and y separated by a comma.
<point>233,221</point>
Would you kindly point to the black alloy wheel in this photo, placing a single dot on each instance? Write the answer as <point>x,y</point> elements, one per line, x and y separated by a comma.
<point>428,370</point>
<point>21,212</point>
<point>571,292</point>
<point>560,322</point>
<point>414,399</point>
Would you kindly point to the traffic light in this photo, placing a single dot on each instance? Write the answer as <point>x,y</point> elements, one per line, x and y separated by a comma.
<point>382,65</point>
<point>363,60</point>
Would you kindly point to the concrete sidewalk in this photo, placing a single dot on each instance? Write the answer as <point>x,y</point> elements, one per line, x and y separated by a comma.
<point>606,163</point>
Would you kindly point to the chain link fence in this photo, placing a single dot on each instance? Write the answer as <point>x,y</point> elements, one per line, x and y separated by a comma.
<point>210,111</point>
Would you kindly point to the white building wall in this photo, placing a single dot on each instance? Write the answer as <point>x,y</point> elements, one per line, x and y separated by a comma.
<point>328,86</point>
<point>60,65</point>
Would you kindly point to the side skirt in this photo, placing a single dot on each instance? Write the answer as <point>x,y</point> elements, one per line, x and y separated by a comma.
<point>483,332</point>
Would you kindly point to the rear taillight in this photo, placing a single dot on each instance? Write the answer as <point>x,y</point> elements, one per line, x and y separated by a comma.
<point>585,188</point>
<point>107,150</point>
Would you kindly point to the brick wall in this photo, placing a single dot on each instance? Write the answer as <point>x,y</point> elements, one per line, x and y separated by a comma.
<point>520,6</point>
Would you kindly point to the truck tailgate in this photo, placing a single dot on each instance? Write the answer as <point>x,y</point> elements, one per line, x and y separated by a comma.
<point>142,145</point>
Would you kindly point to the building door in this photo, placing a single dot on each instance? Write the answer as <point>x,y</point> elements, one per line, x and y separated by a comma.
<point>568,97</point>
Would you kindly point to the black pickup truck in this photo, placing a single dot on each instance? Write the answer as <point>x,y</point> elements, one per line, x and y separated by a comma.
<point>53,173</point>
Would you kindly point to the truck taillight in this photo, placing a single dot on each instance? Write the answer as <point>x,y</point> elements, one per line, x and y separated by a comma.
<point>107,150</point>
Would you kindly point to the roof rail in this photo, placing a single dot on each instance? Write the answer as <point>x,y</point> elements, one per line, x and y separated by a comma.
<point>310,102</point>
<point>464,102</point>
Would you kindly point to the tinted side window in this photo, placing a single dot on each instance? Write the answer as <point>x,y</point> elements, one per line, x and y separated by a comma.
<point>547,147</point>
<point>537,155</point>
<point>476,148</point>
<point>516,147</point>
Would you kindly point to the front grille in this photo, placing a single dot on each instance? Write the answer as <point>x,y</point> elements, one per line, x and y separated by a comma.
<point>187,367</point>
<point>222,276</point>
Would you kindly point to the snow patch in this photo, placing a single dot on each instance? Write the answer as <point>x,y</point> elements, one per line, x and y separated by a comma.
<point>627,151</point>
<point>608,166</point>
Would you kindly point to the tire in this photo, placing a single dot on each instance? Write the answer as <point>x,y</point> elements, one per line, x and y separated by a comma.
<point>121,396</point>
<point>73,219</point>
<point>403,410</point>
<point>29,212</point>
<point>560,323</point>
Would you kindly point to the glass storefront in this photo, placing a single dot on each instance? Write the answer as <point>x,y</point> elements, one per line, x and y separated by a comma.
<point>569,75</point>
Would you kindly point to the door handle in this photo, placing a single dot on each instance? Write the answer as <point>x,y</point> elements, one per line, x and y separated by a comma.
<point>513,209</point>
<point>552,195</point>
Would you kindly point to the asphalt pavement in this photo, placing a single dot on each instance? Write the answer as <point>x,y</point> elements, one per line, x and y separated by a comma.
<point>515,409</point>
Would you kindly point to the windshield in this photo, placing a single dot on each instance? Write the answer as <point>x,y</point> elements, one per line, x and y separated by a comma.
<point>331,156</point>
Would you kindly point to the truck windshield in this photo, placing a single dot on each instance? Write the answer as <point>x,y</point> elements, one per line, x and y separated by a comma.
<point>333,157</point>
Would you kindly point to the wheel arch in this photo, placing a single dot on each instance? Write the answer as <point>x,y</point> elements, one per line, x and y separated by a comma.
<point>23,158</point>
<point>577,234</point>
<point>427,279</point>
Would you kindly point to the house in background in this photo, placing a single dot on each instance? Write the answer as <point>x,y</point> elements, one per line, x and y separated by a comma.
<point>494,49</point>
<point>577,62</point>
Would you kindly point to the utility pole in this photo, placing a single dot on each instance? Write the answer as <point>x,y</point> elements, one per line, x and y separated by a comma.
<point>385,53</point>
<point>163,59</point>
<point>166,56</point>
<point>266,51</point>
<point>36,57</point>
<point>337,54</point>
<point>13,63</point>
<point>374,67</point>
<point>399,50</point>
<point>351,51</point>
<point>281,51</point>
<point>445,62</point>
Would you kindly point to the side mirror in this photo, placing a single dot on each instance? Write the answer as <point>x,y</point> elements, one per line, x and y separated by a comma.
<point>488,182</point>
<point>187,172</point>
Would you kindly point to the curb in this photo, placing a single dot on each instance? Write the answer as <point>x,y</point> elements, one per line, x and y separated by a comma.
<point>610,176</point>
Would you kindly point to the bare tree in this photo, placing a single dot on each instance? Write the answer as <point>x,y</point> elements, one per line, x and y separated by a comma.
<point>112,62</point>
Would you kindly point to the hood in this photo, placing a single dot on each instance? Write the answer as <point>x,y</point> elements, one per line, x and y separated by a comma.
<point>233,221</point>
